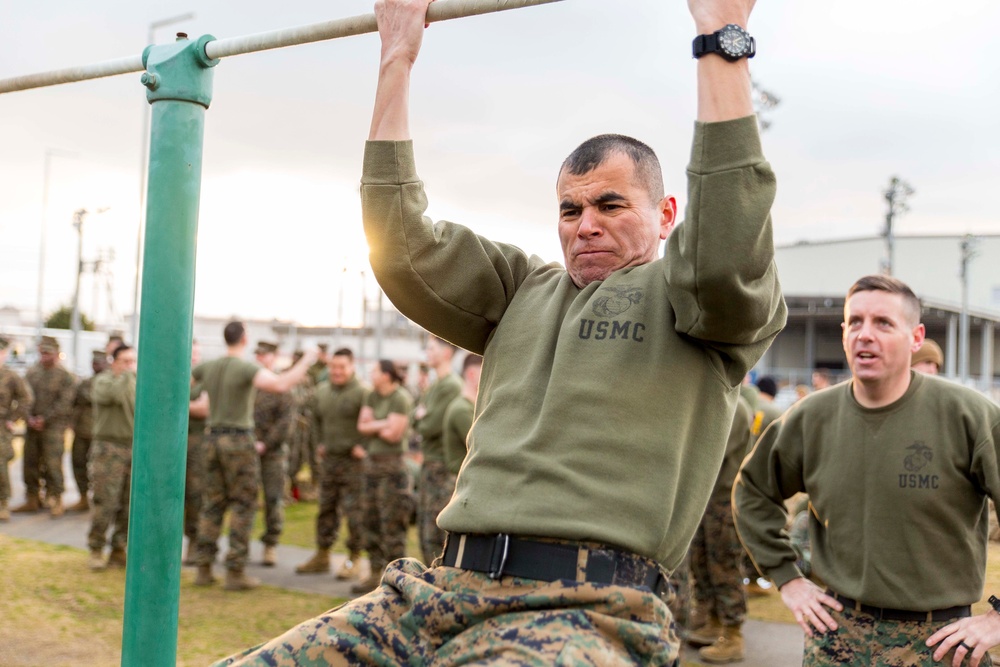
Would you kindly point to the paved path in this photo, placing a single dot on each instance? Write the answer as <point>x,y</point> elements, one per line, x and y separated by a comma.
<point>767,644</point>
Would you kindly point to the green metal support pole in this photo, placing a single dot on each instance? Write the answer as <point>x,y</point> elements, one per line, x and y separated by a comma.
<point>178,79</point>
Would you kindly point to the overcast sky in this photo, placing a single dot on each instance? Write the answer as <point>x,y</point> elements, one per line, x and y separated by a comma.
<point>868,90</point>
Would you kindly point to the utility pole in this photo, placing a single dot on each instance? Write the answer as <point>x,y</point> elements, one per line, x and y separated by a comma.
<point>763,102</point>
<point>968,251</point>
<point>895,196</point>
<point>78,217</point>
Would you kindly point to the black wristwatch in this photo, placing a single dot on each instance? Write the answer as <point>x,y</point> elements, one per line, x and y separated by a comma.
<point>731,42</point>
<point>995,603</point>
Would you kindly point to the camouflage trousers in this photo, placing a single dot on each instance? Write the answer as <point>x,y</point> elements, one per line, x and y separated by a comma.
<point>111,477</point>
<point>43,452</point>
<point>81,457</point>
<point>717,565</point>
<point>862,639</point>
<point>388,503</point>
<point>194,483</point>
<point>447,616</point>
<point>6,456</point>
<point>302,450</point>
<point>341,493</point>
<point>232,474</point>
<point>273,470</point>
<point>437,485</point>
<point>680,582</point>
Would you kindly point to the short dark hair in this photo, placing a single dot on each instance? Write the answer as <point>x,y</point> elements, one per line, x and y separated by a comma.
<point>880,283</point>
<point>768,386</point>
<point>592,153</point>
<point>471,359</point>
<point>233,332</point>
<point>387,366</point>
<point>118,350</point>
<point>344,352</point>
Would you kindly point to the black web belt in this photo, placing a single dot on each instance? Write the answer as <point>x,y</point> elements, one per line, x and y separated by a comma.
<point>886,614</point>
<point>504,555</point>
<point>228,430</point>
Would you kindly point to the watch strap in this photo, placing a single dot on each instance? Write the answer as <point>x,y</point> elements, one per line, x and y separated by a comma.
<point>704,44</point>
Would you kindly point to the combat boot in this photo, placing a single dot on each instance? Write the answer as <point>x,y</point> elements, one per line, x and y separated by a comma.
<point>727,648</point>
<point>204,577</point>
<point>367,586</point>
<point>30,504</point>
<point>237,580</point>
<point>56,508</point>
<point>706,633</point>
<point>318,564</point>
<point>81,506</point>
<point>116,558</point>
<point>350,568</point>
<point>270,556</point>
<point>96,561</point>
<point>4,512</point>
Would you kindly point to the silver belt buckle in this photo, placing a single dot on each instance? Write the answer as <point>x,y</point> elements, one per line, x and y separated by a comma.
<point>500,547</point>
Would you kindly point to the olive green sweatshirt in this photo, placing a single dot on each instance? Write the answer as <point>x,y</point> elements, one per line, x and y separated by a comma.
<point>603,412</point>
<point>431,425</point>
<point>114,406</point>
<point>898,494</point>
<point>736,450</point>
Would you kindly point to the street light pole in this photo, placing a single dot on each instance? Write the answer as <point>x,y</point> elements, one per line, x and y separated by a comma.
<point>143,159</point>
<point>78,217</point>
<point>39,304</point>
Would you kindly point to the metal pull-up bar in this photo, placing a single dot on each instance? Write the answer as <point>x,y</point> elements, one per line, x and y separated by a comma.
<point>442,10</point>
<point>178,80</point>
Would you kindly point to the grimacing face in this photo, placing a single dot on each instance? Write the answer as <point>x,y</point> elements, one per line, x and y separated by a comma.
<point>607,220</point>
<point>879,336</point>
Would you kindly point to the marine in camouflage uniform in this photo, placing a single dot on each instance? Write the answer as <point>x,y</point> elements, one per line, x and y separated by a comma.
<point>335,408</point>
<point>83,425</point>
<point>54,388</point>
<point>301,440</point>
<point>716,556</point>
<point>550,430</point>
<point>272,417</point>
<point>113,396</point>
<point>232,465</point>
<point>388,498</point>
<point>436,484</point>
<point>15,404</point>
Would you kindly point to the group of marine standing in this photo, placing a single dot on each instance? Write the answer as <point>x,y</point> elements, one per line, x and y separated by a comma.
<point>250,432</point>
<point>246,418</point>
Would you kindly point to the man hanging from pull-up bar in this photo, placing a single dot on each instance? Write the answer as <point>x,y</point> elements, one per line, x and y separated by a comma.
<point>579,492</point>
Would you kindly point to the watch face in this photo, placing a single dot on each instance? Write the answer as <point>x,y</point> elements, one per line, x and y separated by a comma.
<point>734,41</point>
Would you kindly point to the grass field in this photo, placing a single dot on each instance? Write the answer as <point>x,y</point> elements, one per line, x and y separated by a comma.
<point>56,612</point>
